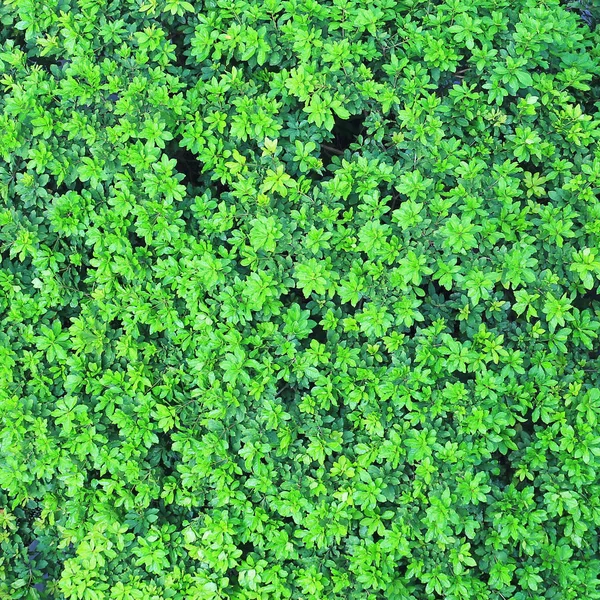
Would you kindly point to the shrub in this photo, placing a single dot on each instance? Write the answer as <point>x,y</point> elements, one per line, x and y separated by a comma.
<point>299,300</point>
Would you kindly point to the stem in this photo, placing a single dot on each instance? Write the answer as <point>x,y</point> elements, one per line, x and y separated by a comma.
<point>332,149</point>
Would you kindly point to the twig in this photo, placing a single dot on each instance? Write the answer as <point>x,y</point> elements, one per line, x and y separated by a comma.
<point>332,149</point>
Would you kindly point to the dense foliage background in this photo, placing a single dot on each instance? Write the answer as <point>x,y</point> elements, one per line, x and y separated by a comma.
<point>299,299</point>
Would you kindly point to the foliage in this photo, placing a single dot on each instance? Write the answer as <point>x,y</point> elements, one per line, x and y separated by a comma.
<point>299,300</point>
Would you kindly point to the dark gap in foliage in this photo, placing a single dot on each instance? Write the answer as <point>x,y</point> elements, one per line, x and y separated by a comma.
<point>302,389</point>
<point>438,293</point>
<point>314,176</point>
<point>527,425</point>
<point>506,470</point>
<point>593,356</point>
<point>463,65</point>
<point>135,240</point>
<point>82,274</point>
<point>484,577</point>
<point>284,390</point>
<point>63,188</point>
<point>589,300</point>
<point>533,168</point>
<point>509,296</point>
<point>395,197</point>
<point>77,185</point>
<point>345,132</point>
<point>53,189</point>
<point>221,189</point>
<point>15,35</point>
<point>64,319</point>
<point>187,162</point>
<point>543,200</point>
<point>94,474</point>
<point>177,37</point>
<point>318,333</point>
<point>269,68</point>
<point>464,377</point>
<point>43,61</point>
<point>293,297</point>
<point>412,331</point>
<point>166,454</point>
<point>458,331</point>
<point>32,512</point>
<point>246,548</point>
<point>227,64</point>
<point>144,332</point>
<point>288,299</point>
<point>116,324</point>
<point>506,296</point>
<point>591,99</point>
<point>224,245</point>
<point>447,81</point>
<point>330,156</point>
<point>590,103</point>
<point>499,135</point>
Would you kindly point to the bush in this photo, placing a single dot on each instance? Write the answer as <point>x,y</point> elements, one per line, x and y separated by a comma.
<point>299,300</point>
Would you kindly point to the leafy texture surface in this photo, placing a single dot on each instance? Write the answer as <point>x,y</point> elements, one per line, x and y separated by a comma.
<point>299,300</point>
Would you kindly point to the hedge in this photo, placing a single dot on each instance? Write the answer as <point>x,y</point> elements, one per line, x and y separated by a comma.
<point>299,300</point>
